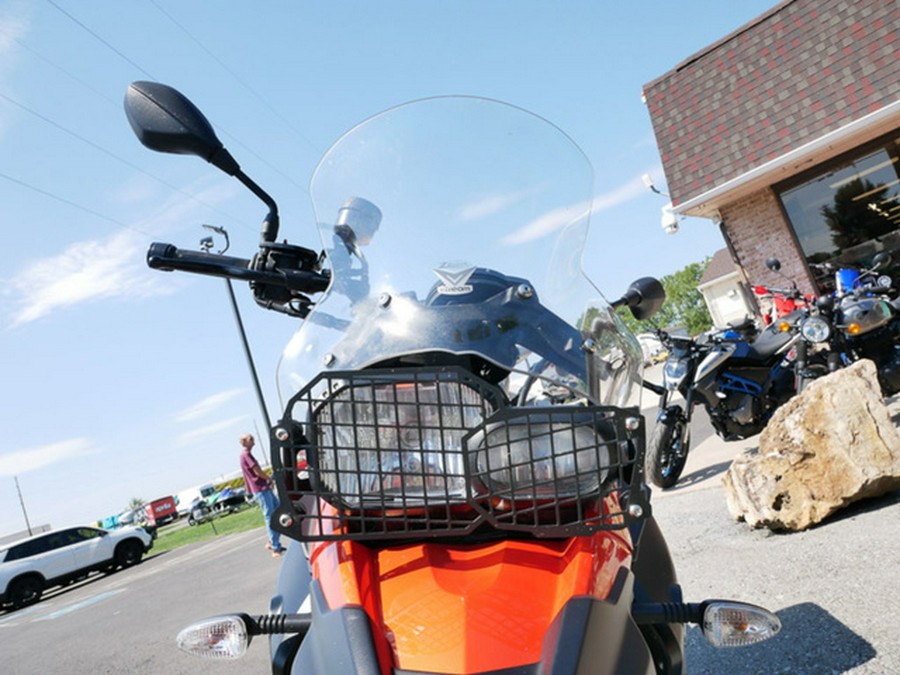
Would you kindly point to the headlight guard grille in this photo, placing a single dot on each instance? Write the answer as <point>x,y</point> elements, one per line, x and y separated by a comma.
<point>437,452</point>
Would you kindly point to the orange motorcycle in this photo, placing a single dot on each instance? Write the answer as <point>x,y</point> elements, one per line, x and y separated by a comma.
<point>460,456</point>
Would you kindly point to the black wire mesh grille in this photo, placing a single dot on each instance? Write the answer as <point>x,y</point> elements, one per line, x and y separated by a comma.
<point>402,453</point>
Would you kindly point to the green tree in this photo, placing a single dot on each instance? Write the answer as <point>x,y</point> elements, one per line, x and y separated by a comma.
<point>684,305</point>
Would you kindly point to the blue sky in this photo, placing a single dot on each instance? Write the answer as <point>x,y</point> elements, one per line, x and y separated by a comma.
<point>121,382</point>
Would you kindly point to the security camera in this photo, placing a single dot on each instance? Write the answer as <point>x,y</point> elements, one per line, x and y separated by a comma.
<point>669,220</point>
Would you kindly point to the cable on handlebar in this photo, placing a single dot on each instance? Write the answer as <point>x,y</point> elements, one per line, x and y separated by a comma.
<point>280,274</point>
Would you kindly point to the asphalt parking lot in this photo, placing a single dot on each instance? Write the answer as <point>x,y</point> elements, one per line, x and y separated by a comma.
<point>835,586</point>
<point>127,622</point>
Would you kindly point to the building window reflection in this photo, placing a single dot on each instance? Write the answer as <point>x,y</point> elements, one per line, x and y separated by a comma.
<point>846,211</point>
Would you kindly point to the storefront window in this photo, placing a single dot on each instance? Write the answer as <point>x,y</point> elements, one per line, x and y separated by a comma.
<point>848,210</point>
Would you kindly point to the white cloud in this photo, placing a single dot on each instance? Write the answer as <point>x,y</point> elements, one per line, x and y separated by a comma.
<point>195,435</point>
<point>21,461</point>
<point>114,266</point>
<point>552,221</point>
<point>86,270</point>
<point>137,189</point>
<point>184,205</point>
<point>207,405</point>
<point>13,26</point>
<point>547,224</point>
<point>624,193</point>
<point>494,204</point>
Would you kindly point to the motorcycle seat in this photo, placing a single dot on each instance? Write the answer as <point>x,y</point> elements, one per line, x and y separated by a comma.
<point>763,348</point>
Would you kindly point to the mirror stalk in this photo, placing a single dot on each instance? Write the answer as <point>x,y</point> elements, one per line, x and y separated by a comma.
<point>272,221</point>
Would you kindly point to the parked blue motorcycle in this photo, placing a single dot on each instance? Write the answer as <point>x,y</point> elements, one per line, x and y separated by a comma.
<point>738,375</point>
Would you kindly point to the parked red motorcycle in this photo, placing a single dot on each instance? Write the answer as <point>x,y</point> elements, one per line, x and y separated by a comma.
<point>461,449</point>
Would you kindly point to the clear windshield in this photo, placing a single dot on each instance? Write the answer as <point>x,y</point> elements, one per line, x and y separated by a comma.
<point>455,226</point>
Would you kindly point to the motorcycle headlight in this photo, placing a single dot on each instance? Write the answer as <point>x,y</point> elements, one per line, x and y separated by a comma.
<point>438,452</point>
<point>550,456</point>
<point>815,329</point>
<point>674,372</point>
<point>397,444</point>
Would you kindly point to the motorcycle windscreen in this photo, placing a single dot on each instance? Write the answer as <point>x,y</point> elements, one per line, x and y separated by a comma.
<point>456,226</point>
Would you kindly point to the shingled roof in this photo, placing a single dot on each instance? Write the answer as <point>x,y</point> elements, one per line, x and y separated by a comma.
<point>795,73</point>
<point>720,265</point>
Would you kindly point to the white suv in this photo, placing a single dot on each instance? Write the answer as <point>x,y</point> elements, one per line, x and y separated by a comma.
<point>28,566</point>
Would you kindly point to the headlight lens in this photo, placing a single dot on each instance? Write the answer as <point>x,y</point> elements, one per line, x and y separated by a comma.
<point>397,444</point>
<point>674,372</point>
<point>535,459</point>
<point>440,452</point>
<point>815,329</point>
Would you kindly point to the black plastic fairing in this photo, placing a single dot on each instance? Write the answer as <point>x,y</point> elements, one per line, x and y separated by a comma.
<point>290,592</point>
<point>656,582</point>
<point>597,636</point>
<point>340,641</point>
<point>652,563</point>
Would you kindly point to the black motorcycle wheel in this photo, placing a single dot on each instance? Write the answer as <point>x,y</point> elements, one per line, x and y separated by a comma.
<point>667,452</point>
<point>816,368</point>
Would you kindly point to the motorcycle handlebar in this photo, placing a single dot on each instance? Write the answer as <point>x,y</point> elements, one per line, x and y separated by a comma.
<point>168,257</point>
<point>786,292</point>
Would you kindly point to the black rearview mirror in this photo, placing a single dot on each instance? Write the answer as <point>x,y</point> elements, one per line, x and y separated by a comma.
<point>644,298</point>
<point>165,120</point>
<point>880,260</point>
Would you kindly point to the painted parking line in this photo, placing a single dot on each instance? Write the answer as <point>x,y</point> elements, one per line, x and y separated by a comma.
<point>14,616</point>
<point>78,605</point>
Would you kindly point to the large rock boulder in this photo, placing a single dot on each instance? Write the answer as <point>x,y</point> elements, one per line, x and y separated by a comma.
<point>832,445</point>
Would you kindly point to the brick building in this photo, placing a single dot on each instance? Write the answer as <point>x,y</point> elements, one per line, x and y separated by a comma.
<point>787,133</point>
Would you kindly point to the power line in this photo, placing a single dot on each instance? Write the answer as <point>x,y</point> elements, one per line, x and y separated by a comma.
<point>246,86</point>
<point>50,63</point>
<point>73,204</point>
<point>116,157</point>
<point>97,37</point>
<point>127,59</point>
<point>133,63</point>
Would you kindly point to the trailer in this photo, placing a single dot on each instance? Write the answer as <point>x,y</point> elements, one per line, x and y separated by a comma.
<point>161,511</point>
<point>185,499</point>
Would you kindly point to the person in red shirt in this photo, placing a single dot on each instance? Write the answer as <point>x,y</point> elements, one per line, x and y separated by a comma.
<point>259,484</point>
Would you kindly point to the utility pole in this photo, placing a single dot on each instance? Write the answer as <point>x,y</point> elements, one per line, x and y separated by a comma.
<point>22,502</point>
<point>206,244</point>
